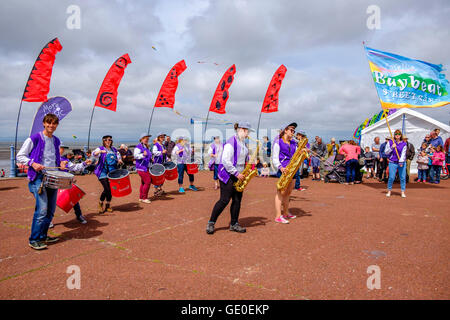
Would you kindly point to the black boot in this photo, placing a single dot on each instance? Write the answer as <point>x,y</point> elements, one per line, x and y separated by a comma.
<point>210,227</point>
<point>237,228</point>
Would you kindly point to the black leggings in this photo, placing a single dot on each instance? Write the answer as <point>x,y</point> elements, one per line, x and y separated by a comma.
<point>227,193</point>
<point>106,194</point>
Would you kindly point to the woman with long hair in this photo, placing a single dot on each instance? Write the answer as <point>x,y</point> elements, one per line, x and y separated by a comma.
<point>282,153</point>
<point>396,150</point>
<point>109,159</point>
<point>143,157</point>
<point>234,156</point>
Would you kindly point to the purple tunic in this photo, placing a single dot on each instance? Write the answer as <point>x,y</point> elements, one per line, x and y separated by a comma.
<point>393,156</point>
<point>286,151</point>
<point>37,153</point>
<point>224,175</point>
<point>142,164</point>
<point>159,159</point>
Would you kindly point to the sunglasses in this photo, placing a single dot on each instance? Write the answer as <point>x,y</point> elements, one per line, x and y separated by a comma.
<point>291,130</point>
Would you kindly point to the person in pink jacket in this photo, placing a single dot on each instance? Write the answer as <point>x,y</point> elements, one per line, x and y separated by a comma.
<point>437,160</point>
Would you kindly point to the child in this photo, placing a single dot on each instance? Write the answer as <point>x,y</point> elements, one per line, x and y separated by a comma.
<point>369,162</point>
<point>422,166</point>
<point>437,162</point>
<point>265,170</point>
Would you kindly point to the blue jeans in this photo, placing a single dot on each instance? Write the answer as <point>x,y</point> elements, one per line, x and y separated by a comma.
<point>350,167</point>
<point>216,171</point>
<point>297,180</point>
<point>44,209</point>
<point>422,174</point>
<point>181,168</point>
<point>435,174</point>
<point>401,173</point>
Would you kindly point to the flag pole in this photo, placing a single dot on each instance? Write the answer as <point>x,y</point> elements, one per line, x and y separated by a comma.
<point>17,128</point>
<point>90,123</point>
<point>150,122</point>
<point>387,122</point>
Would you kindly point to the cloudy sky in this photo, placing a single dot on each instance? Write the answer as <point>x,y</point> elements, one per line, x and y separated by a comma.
<point>327,89</point>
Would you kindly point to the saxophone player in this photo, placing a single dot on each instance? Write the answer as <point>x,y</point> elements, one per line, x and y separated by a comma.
<point>234,156</point>
<point>283,150</point>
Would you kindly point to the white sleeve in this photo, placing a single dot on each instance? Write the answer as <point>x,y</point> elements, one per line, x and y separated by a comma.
<point>138,154</point>
<point>156,152</point>
<point>96,153</point>
<point>75,167</point>
<point>276,156</point>
<point>227,156</point>
<point>403,155</point>
<point>174,151</point>
<point>387,149</point>
<point>210,150</point>
<point>24,152</point>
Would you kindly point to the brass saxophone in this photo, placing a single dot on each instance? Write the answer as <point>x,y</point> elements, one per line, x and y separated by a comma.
<point>247,172</point>
<point>297,159</point>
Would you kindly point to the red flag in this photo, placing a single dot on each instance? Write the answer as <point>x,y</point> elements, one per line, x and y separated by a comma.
<point>166,95</point>
<point>107,95</point>
<point>221,95</point>
<point>270,103</point>
<point>38,84</point>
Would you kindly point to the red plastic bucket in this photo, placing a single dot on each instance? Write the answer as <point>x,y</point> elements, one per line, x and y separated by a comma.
<point>192,168</point>
<point>119,182</point>
<point>171,172</point>
<point>157,173</point>
<point>67,198</point>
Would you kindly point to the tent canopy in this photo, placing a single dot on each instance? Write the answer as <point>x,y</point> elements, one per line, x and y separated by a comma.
<point>415,126</point>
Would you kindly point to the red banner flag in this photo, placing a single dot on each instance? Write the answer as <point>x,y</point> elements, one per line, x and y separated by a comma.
<point>107,95</point>
<point>166,95</point>
<point>270,103</point>
<point>221,95</point>
<point>38,84</point>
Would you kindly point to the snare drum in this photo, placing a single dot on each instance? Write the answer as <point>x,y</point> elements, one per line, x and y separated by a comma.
<point>157,173</point>
<point>119,182</point>
<point>192,168</point>
<point>171,172</point>
<point>57,179</point>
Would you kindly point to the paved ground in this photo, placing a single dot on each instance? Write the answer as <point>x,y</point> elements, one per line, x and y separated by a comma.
<point>161,250</point>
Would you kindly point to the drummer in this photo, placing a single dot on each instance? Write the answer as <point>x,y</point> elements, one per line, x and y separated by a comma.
<point>67,165</point>
<point>181,154</point>
<point>143,158</point>
<point>215,152</point>
<point>108,160</point>
<point>159,156</point>
<point>41,151</point>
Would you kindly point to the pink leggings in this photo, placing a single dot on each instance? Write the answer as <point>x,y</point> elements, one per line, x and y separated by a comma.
<point>145,184</point>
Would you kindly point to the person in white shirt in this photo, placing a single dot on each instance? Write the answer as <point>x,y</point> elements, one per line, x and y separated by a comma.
<point>215,152</point>
<point>181,155</point>
<point>234,156</point>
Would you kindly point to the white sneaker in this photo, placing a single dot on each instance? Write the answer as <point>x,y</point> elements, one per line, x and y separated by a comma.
<point>388,194</point>
<point>403,195</point>
<point>145,201</point>
<point>281,220</point>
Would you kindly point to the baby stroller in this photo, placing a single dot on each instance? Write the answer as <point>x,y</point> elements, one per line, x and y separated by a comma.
<point>335,165</point>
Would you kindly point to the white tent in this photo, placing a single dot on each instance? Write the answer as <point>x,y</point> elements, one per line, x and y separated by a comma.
<point>416,126</point>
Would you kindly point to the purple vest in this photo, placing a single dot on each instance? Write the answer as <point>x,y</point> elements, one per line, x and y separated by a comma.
<point>393,156</point>
<point>286,151</point>
<point>181,157</point>
<point>101,161</point>
<point>162,157</point>
<point>67,164</point>
<point>37,153</point>
<point>212,161</point>
<point>142,164</point>
<point>224,176</point>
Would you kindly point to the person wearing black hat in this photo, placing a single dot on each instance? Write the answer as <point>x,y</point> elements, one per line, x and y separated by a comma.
<point>234,156</point>
<point>109,159</point>
<point>283,150</point>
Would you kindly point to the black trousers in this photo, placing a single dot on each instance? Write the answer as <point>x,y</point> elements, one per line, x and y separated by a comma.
<point>106,194</point>
<point>227,193</point>
<point>383,166</point>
